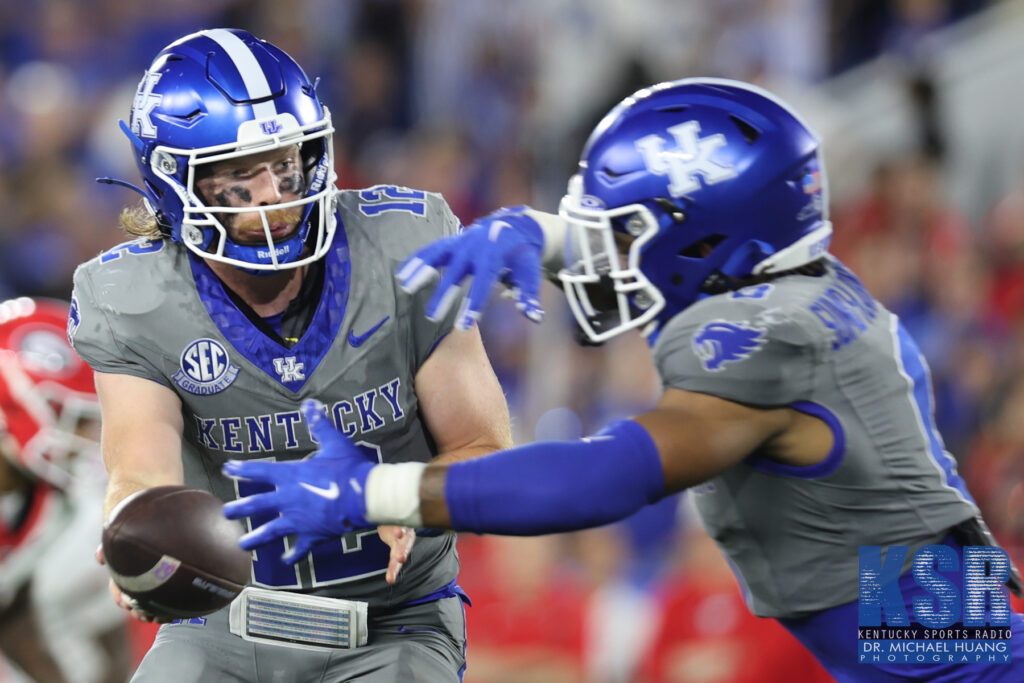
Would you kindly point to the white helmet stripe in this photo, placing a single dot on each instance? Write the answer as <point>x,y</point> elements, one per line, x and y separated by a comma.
<point>249,69</point>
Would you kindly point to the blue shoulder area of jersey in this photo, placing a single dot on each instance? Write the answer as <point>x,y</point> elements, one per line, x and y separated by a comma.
<point>556,486</point>
<point>290,367</point>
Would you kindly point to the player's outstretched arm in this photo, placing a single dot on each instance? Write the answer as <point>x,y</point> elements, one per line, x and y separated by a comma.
<point>511,245</point>
<point>551,487</point>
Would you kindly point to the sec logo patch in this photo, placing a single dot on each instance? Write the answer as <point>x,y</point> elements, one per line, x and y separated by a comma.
<point>205,368</point>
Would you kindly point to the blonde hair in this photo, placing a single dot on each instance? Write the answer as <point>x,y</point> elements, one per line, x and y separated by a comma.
<point>139,221</point>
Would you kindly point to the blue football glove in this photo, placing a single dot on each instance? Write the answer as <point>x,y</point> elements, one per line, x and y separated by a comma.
<point>505,245</point>
<point>319,498</point>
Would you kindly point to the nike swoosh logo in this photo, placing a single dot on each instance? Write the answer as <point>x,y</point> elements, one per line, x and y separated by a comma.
<point>356,340</point>
<point>330,493</point>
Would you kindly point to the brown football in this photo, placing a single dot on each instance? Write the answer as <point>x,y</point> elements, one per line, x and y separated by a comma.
<point>173,551</point>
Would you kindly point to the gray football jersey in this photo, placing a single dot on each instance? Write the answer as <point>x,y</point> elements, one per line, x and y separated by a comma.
<point>824,346</point>
<point>153,310</point>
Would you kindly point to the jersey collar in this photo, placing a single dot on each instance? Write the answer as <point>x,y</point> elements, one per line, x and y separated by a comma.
<point>289,367</point>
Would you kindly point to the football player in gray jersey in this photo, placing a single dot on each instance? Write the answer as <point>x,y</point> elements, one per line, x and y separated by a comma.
<point>795,406</point>
<point>255,283</point>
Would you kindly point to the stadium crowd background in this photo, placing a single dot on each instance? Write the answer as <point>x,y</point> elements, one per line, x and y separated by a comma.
<point>488,102</point>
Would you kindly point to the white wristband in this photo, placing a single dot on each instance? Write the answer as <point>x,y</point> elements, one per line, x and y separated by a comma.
<point>554,228</point>
<point>393,494</point>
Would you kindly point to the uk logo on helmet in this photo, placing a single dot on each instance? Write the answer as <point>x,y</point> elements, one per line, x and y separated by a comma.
<point>270,127</point>
<point>205,368</point>
<point>720,341</point>
<point>683,165</point>
<point>145,103</point>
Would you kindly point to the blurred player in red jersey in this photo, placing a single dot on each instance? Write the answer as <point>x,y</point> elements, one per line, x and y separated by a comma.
<point>56,621</point>
<point>707,635</point>
<point>527,619</point>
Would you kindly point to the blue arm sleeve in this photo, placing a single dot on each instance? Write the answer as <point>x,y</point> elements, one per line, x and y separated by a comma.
<point>556,486</point>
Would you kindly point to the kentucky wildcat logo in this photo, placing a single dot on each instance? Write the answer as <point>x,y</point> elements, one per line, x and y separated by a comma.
<point>719,342</point>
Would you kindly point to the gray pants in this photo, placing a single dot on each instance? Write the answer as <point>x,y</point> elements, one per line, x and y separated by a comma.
<point>419,643</point>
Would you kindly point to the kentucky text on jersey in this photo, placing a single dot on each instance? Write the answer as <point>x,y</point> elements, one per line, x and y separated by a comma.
<point>365,412</point>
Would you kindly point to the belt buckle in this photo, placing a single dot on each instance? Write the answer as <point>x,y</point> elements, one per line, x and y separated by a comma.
<point>296,620</point>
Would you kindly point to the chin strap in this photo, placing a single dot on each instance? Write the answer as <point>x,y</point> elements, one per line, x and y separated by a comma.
<point>124,183</point>
<point>147,198</point>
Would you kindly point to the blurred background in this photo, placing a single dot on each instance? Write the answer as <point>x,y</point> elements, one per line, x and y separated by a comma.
<point>489,102</point>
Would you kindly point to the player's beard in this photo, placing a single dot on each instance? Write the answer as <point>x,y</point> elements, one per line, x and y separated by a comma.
<point>247,228</point>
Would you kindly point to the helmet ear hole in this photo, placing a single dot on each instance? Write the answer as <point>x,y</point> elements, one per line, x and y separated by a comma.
<point>676,279</point>
<point>310,152</point>
<point>702,248</point>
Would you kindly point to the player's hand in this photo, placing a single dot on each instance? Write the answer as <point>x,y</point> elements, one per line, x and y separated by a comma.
<point>503,246</point>
<point>123,601</point>
<point>321,497</point>
<point>400,539</point>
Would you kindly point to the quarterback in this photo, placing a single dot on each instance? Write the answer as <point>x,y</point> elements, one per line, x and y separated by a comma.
<point>796,407</point>
<point>256,283</point>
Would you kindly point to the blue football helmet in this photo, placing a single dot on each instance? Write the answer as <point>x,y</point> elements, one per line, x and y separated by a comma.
<point>220,94</point>
<point>686,189</point>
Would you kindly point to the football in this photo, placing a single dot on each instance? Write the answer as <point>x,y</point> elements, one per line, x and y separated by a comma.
<point>171,549</point>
